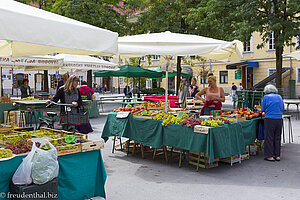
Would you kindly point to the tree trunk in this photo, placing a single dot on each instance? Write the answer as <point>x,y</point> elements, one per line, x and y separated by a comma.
<point>178,73</point>
<point>89,78</point>
<point>279,51</point>
<point>46,82</point>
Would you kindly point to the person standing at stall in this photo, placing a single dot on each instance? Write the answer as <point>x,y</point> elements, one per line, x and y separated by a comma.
<point>240,87</point>
<point>25,89</point>
<point>62,81</point>
<point>233,91</point>
<point>183,92</point>
<point>273,106</point>
<point>214,96</point>
<point>85,91</point>
<point>193,89</point>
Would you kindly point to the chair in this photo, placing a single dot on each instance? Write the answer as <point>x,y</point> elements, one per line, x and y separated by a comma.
<point>242,99</point>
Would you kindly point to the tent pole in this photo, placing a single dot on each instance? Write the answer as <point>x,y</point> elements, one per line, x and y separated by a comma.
<point>1,92</point>
<point>167,85</point>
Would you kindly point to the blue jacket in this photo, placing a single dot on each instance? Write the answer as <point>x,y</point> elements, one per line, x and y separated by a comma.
<point>273,106</point>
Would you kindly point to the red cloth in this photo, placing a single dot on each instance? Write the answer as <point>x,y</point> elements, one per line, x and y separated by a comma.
<point>218,105</point>
<point>157,98</point>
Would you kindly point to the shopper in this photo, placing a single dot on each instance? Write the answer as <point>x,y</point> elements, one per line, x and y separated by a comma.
<point>25,89</point>
<point>85,91</point>
<point>62,81</point>
<point>214,96</point>
<point>233,91</point>
<point>183,92</point>
<point>240,87</point>
<point>273,107</point>
<point>193,89</point>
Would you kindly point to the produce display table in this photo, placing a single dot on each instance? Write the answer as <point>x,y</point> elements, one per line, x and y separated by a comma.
<point>220,142</point>
<point>158,98</point>
<point>80,175</point>
<point>39,106</point>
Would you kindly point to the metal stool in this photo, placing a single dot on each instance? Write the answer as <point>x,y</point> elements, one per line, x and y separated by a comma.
<point>290,128</point>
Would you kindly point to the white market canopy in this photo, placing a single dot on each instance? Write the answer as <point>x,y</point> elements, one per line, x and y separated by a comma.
<point>175,44</point>
<point>295,54</point>
<point>78,62</point>
<point>28,31</point>
<point>44,63</point>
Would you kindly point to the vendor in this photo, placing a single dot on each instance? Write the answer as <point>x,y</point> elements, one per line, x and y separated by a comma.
<point>25,89</point>
<point>183,92</point>
<point>273,106</point>
<point>193,89</point>
<point>214,96</point>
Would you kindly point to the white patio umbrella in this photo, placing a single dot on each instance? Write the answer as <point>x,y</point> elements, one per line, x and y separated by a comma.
<point>295,54</point>
<point>27,31</point>
<point>175,44</point>
<point>39,62</point>
<point>78,62</point>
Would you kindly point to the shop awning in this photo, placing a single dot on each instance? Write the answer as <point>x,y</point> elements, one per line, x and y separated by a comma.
<point>242,63</point>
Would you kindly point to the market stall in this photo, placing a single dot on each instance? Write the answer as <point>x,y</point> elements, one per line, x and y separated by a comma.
<point>81,169</point>
<point>219,142</point>
<point>80,175</point>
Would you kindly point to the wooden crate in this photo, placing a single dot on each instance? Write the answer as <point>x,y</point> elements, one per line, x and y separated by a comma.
<point>203,161</point>
<point>64,148</point>
<point>89,145</point>
<point>14,117</point>
<point>235,159</point>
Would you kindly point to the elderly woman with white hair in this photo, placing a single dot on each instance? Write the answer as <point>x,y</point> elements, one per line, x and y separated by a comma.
<point>273,107</point>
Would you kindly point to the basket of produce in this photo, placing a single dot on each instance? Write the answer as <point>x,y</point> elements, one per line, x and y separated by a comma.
<point>6,154</point>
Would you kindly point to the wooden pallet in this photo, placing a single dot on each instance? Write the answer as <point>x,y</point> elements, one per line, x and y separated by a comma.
<point>200,159</point>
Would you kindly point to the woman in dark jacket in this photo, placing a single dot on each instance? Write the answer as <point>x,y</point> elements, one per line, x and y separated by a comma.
<point>69,93</point>
<point>25,89</point>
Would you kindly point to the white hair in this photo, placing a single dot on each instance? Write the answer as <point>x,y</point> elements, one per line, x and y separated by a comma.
<point>270,89</point>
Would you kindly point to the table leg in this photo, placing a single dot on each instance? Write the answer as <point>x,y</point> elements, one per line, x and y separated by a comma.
<point>113,150</point>
<point>128,143</point>
<point>297,115</point>
<point>180,156</point>
<point>291,129</point>
<point>283,136</point>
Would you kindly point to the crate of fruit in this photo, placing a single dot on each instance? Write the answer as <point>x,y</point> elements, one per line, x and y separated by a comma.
<point>64,148</point>
<point>88,145</point>
<point>11,138</point>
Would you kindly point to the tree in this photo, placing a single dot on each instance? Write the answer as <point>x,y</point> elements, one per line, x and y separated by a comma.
<point>278,17</point>
<point>199,17</point>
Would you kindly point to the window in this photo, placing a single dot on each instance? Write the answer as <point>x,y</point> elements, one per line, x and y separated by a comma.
<point>270,72</point>
<point>223,77</point>
<point>155,57</point>
<point>298,75</point>
<point>248,45</point>
<point>271,42</point>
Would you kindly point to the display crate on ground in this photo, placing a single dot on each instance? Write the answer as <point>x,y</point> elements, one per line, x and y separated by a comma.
<point>201,159</point>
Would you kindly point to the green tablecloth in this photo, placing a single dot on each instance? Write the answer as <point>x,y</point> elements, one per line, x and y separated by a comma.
<point>4,107</point>
<point>94,110</point>
<point>220,142</point>
<point>80,174</point>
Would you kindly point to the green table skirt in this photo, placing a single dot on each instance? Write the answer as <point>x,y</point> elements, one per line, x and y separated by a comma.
<point>80,175</point>
<point>220,142</point>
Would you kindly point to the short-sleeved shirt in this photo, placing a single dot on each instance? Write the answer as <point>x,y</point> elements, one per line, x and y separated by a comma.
<point>195,91</point>
<point>234,87</point>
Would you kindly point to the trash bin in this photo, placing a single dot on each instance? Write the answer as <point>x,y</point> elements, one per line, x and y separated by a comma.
<point>292,86</point>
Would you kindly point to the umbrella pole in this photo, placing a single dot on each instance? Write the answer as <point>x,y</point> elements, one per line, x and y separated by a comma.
<point>166,91</point>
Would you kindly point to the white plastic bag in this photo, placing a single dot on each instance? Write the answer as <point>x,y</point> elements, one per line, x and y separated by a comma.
<point>44,163</point>
<point>22,176</point>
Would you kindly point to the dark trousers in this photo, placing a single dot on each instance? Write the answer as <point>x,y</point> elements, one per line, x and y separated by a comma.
<point>273,128</point>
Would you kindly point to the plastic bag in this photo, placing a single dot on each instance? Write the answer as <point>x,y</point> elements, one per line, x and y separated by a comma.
<point>22,176</point>
<point>44,163</point>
